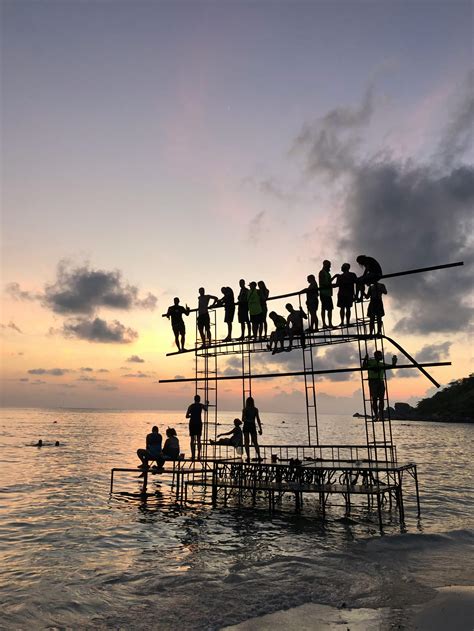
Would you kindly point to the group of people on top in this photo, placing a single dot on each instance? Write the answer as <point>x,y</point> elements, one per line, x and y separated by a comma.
<point>252,310</point>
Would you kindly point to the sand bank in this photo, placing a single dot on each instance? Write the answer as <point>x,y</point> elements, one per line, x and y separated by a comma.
<point>452,608</point>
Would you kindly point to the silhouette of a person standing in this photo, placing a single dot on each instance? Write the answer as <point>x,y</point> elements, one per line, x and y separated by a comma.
<point>346,282</point>
<point>176,312</point>
<point>243,308</point>
<point>325,291</point>
<point>255,309</point>
<point>194,414</point>
<point>203,320</point>
<point>312,302</point>
<point>263,293</point>
<point>376,373</point>
<point>376,311</point>
<point>229,309</point>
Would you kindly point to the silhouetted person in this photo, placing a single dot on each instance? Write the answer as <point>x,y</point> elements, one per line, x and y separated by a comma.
<point>263,293</point>
<point>346,282</point>
<point>295,324</point>
<point>236,437</point>
<point>372,273</point>
<point>278,335</point>
<point>325,291</point>
<point>203,320</point>
<point>376,311</point>
<point>376,374</point>
<point>153,449</point>
<point>255,309</point>
<point>229,309</point>
<point>171,446</point>
<point>250,418</point>
<point>194,414</point>
<point>243,308</point>
<point>56,444</point>
<point>39,443</point>
<point>312,302</point>
<point>176,312</point>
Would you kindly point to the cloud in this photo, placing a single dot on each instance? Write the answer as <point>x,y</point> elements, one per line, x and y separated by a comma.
<point>457,136</point>
<point>255,227</point>
<point>65,385</point>
<point>24,379</point>
<point>55,372</point>
<point>87,369</point>
<point>82,290</point>
<point>135,359</point>
<point>103,370</point>
<point>38,382</point>
<point>88,379</point>
<point>178,377</point>
<point>11,325</point>
<point>138,375</point>
<point>107,388</point>
<point>434,352</point>
<point>98,330</point>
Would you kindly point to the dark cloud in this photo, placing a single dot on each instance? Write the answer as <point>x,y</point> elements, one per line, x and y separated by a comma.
<point>107,388</point>
<point>135,359</point>
<point>65,385</point>
<point>87,369</point>
<point>434,352</point>
<point>138,375</point>
<point>457,137</point>
<point>55,372</point>
<point>15,291</point>
<point>176,377</point>
<point>103,370</point>
<point>11,325</point>
<point>88,379</point>
<point>38,382</point>
<point>24,379</point>
<point>98,330</point>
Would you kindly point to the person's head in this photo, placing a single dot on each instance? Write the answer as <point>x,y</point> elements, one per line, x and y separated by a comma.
<point>224,290</point>
<point>310,278</point>
<point>326,265</point>
<point>272,315</point>
<point>197,398</point>
<point>237,422</point>
<point>201,291</point>
<point>176,301</point>
<point>261,285</point>
<point>241,283</point>
<point>345,267</point>
<point>170,432</point>
<point>250,403</point>
<point>289,307</point>
<point>253,285</point>
<point>361,259</point>
<point>40,443</point>
<point>56,444</point>
<point>378,354</point>
<point>154,429</point>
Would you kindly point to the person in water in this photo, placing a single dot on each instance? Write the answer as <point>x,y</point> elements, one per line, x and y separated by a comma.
<point>153,449</point>
<point>203,319</point>
<point>372,273</point>
<point>325,291</point>
<point>236,437</point>
<point>228,302</point>
<point>376,311</point>
<point>376,376</point>
<point>243,308</point>
<point>278,335</point>
<point>194,414</point>
<point>295,324</point>
<point>346,283</point>
<point>312,302</point>
<point>176,312</point>
<point>39,443</point>
<point>171,446</point>
<point>250,419</point>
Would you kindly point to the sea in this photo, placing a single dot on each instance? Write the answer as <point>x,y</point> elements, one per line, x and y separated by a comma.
<point>73,556</point>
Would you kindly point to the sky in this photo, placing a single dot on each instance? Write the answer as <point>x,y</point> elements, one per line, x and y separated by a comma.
<point>150,148</point>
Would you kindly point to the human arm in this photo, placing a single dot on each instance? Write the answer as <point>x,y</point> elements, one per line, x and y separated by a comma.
<point>257,416</point>
<point>188,413</point>
<point>225,433</point>
<point>187,310</point>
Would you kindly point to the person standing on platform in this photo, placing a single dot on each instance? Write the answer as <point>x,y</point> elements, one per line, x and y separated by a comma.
<point>229,309</point>
<point>194,414</point>
<point>376,310</point>
<point>243,308</point>
<point>250,419</point>
<point>203,320</point>
<point>325,291</point>
<point>346,282</point>
<point>372,273</point>
<point>376,375</point>
<point>255,310</point>
<point>176,312</point>
<point>295,325</point>
<point>263,294</point>
<point>312,302</point>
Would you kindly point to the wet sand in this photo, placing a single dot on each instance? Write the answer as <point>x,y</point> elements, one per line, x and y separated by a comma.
<point>452,608</point>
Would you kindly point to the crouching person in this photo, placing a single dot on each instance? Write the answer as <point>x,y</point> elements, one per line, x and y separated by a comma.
<point>153,449</point>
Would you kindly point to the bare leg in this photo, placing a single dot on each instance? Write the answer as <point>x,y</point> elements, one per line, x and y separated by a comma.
<point>198,438</point>
<point>183,337</point>
<point>341,312</point>
<point>176,339</point>
<point>348,316</point>
<point>247,446</point>
<point>193,447</point>
<point>255,444</point>
<point>201,333</point>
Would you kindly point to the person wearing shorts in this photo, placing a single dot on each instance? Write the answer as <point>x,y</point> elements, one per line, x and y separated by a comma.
<point>376,375</point>
<point>203,320</point>
<point>194,414</point>
<point>176,312</point>
<point>229,309</point>
<point>325,291</point>
<point>255,310</point>
<point>153,450</point>
<point>312,302</point>
<point>250,418</point>
<point>372,273</point>
<point>243,308</point>
<point>294,323</point>
<point>346,282</point>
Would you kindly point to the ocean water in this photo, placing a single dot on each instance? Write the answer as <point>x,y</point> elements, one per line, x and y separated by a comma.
<point>72,556</point>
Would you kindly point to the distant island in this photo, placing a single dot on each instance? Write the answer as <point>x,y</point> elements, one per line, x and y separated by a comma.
<point>453,404</point>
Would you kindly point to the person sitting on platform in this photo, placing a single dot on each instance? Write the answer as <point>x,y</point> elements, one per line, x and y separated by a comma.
<point>171,446</point>
<point>376,310</point>
<point>250,417</point>
<point>176,312</point>
<point>376,375</point>
<point>312,302</point>
<point>255,310</point>
<point>236,437</point>
<point>203,320</point>
<point>229,309</point>
<point>194,414</point>
<point>278,335</point>
<point>153,449</point>
<point>345,295</point>
<point>325,291</point>
<point>372,273</point>
<point>243,308</point>
<point>295,325</point>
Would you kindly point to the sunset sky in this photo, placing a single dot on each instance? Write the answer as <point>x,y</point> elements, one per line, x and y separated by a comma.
<point>149,148</point>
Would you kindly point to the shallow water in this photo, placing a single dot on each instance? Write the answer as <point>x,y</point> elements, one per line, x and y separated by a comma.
<point>72,556</point>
